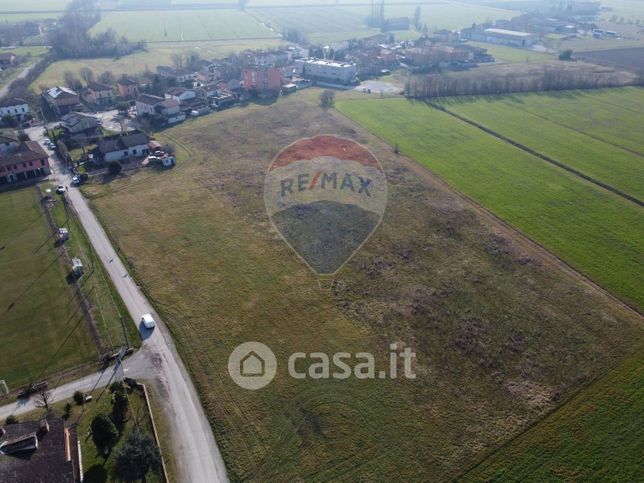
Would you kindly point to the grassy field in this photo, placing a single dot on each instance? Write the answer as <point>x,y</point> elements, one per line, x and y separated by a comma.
<point>592,229</point>
<point>43,329</point>
<point>525,119</point>
<point>497,328</point>
<point>595,437</point>
<point>184,25</point>
<point>513,55</point>
<point>156,54</point>
<point>631,10</point>
<point>105,303</point>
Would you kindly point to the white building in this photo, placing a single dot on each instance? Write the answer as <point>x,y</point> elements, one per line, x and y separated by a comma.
<point>14,107</point>
<point>146,103</point>
<point>327,71</point>
<point>506,37</point>
<point>127,146</point>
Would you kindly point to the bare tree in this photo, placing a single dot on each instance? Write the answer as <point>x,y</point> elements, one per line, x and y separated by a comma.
<point>87,74</point>
<point>106,77</point>
<point>44,399</point>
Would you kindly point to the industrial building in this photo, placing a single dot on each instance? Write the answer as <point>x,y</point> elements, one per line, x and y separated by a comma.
<point>506,37</point>
<point>327,71</point>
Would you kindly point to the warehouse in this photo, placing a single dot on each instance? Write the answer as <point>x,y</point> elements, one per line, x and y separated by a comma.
<point>506,37</point>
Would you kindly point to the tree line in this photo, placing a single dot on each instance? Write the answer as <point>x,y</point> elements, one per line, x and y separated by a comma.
<point>551,79</point>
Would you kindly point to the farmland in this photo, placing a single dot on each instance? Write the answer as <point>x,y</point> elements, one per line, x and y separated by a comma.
<point>43,329</point>
<point>184,25</point>
<point>526,119</point>
<point>632,58</point>
<point>495,321</point>
<point>595,436</point>
<point>513,55</point>
<point>581,223</point>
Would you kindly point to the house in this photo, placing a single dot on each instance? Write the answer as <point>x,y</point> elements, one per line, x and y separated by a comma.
<point>179,75</point>
<point>39,451</point>
<point>15,107</point>
<point>165,71</point>
<point>264,81</point>
<point>146,103</point>
<point>28,160</point>
<point>130,145</point>
<point>8,141</point>
<point>128,88</point>
<point>61,99</point>
<point>170,111</point>
<point>97,94</point>
<point>180,94</point>
<point>7,59</point>
<point>76,123</point>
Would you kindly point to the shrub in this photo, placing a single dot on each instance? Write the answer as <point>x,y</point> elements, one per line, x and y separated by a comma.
<point>79,398</point>
<point>114,168</point>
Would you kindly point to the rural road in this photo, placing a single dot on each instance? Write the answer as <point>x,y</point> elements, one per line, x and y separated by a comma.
<point>5,89</point>
<point>196,453</point>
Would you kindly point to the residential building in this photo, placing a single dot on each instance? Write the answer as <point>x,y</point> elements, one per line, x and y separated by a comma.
<point>131,145</point>
<point>98,94</point>
<point>128,88</point>
<point>7,59</point>
<point>61,99</point>
<point>14,107</point>
<point>505,37</point>
<point>179,75</point>
<point>76,123</point>
<point>28,160</point>
<point>40,451</point>
<point>180,94</point>
<point>327,71</point>
<point>170,111</point>
<point>146,104</point>
<point>8,141</point>
<point>264,81</point>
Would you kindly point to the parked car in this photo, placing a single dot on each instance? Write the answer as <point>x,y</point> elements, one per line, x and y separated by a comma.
<point>60,189</point>
<point>75,180</point>
<point>148,321</point>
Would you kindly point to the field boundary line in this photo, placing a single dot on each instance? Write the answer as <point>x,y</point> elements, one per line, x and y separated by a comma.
<point>578,131</point>
<point>550,413</point>
<point>544,253</point>
<point>539,155</point>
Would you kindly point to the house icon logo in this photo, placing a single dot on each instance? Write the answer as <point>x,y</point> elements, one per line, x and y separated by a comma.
<point>252,365</point>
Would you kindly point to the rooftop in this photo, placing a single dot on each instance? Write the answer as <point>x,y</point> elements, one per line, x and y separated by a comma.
<point>512,33</point>
<point>12,101</point>
<point>60,92</point>
<point>25,152</point>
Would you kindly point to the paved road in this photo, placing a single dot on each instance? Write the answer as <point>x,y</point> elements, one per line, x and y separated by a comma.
<point>196,453</point>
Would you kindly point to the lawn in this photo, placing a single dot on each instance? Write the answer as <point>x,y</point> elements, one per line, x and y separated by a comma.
<point>524,118</point>
<point>42,326</point>
<point>156,54</point>
<point>184,25</point>
<point>597,436</point>
<point>497,327</point>
<point>593,230</point>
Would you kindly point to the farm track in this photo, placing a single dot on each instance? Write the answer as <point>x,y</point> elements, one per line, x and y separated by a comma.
<point>530,246</point>
<point>541,156</point>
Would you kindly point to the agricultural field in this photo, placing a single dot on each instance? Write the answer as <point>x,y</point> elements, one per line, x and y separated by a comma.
<point>156,54</point>
<point>630,10</point>
<point>495,321</point>
<point>513,55</point>
<point>184,25</point>
<point>595,436</point>
<point>580,222</point>
<point>632,58</point>
<point>43,328</point>
<point>531,120</point>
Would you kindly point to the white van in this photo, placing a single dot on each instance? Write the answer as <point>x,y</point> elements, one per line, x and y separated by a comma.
<point>148,321</point>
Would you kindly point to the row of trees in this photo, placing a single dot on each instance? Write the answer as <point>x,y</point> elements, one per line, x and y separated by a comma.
<point>552,79</point>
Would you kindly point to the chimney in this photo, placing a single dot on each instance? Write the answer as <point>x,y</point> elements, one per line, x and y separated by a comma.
<point>44,427</point>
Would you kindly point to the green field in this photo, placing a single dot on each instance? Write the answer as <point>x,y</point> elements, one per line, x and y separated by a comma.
<point>42,326</point>
<point>498,330</point>
<point>596,436</point>
<point>184,25</point>
<point>513,55</point>
<point>595,231</point>
<point>527,120</point>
